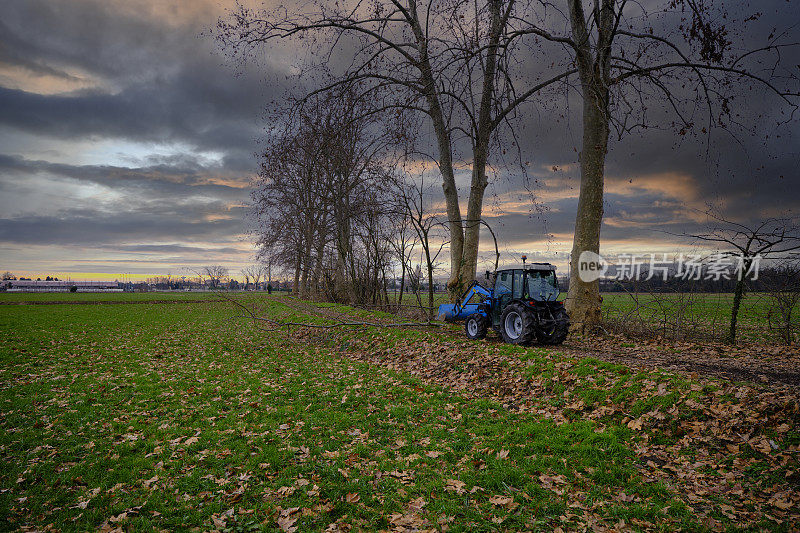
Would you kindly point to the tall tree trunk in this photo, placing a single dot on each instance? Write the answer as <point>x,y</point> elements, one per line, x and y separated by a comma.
<point>472,233</point>
<point>430,278</point>
<point>402,282</point>
<point>480,155</point>
<point>341,283</point>
<point>296,283</point>
<point>307,258</point>
<point>583,297</point>
<point>304,278</point>
<point>320,252</point>
<point>738,293</point>
<point>305,284</point>
<point>454,222</point>
<point>737,301</point>
<point>445,160</point>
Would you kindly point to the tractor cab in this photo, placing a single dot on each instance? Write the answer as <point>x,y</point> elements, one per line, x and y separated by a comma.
<point>534,282</point>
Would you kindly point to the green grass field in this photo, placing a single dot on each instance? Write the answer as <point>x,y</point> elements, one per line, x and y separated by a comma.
<point>706,314</point>
<point>177,416</point>
<point>711,307</point>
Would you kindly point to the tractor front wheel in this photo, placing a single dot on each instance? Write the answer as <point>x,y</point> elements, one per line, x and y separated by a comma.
<point>517,325</point>
<point>475,326</point>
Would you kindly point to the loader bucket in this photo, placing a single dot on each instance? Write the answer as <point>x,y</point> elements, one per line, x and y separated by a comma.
<point>447,312</point>
<point>452,312</point>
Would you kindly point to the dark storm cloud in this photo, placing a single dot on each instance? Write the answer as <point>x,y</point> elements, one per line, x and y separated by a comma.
<point>142,72</point>
<point>90,35</point>
<point>176,249</point>
<point>644,218</point>
<point>734,168</point>
<point>91,228</point>
<point>137,73</point>
<point>140,113</point>
<point>156,81</point>
<point>182,177</point>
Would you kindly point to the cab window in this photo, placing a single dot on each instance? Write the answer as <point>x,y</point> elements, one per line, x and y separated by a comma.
<point>541,285</point>
<point>517,286</point>
<point>503,284</point>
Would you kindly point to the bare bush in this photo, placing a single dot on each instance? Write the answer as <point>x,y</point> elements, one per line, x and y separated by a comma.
<point>669,315</point>
<point>782,288</point>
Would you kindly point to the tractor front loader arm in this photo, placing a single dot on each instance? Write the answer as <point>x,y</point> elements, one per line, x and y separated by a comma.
<point>464,308</point>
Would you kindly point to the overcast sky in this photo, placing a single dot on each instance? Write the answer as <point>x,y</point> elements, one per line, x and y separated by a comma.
<point>127,146</point>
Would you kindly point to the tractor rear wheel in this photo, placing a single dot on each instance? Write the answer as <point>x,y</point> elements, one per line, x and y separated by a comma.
<point>553,331</point>
<point>475,326</point>
<point>517,325</point>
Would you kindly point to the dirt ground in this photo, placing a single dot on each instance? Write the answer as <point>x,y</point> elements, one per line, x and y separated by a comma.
<point>758,364</point>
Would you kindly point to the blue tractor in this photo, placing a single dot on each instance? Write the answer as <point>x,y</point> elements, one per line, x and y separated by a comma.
<point>522,306</point>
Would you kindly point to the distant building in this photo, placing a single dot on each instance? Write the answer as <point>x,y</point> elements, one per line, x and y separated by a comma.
<point>20,285</point>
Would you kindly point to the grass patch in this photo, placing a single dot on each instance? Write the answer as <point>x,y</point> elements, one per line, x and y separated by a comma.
<point>174,416</point>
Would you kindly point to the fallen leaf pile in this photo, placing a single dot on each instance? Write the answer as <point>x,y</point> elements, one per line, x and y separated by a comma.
<point>746,361</point>
<point>718,432</point>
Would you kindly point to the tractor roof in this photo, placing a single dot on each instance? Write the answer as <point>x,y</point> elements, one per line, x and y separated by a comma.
<point>529,266</point>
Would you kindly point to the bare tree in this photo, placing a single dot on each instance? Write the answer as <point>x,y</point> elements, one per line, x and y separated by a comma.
<point>454,64</point>
<point>748,244</point>
<point>413,198</point>
<point>216,274</point>
<point>263,272</point>
<point>255,273</point>
<point>355,140</point>
<point>631,57</point>
<point>320,196</point>
<point>288,200</point>
<point>403,241</point>
<point>246,275</point>
<point>200,279</point>
<point>373,260</point>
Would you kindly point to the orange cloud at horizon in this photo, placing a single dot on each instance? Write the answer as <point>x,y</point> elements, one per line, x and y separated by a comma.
<point>82,276</point>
